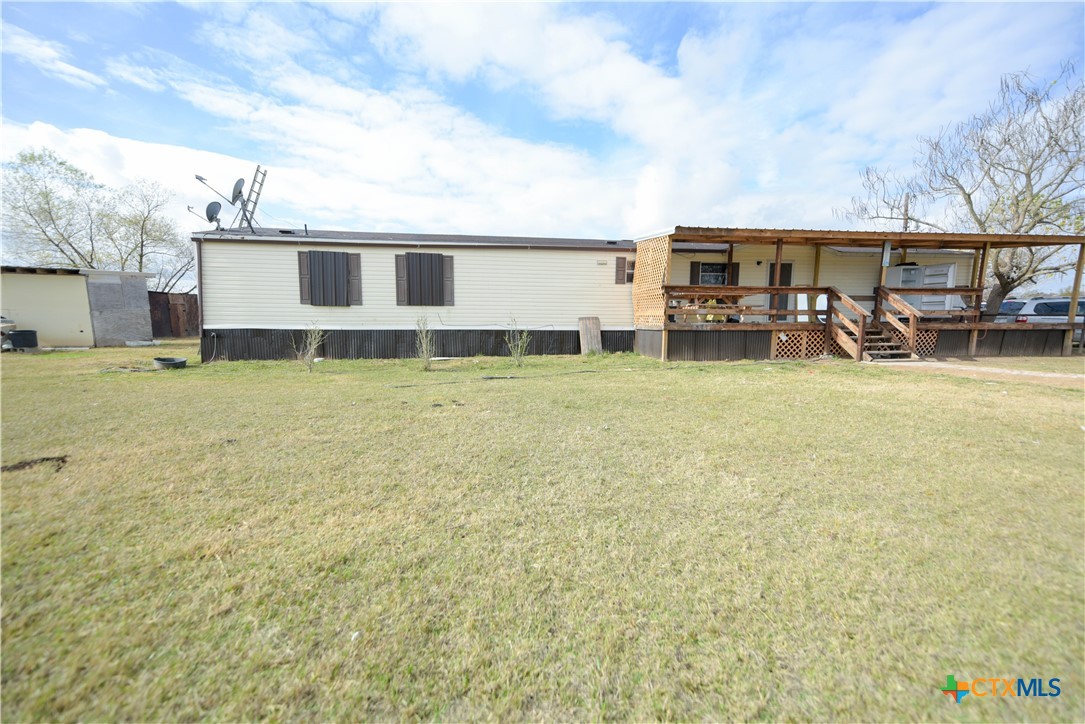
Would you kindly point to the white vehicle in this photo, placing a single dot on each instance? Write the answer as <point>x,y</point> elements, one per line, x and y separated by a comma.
<point>6,325</point>
<point>1039,310</point>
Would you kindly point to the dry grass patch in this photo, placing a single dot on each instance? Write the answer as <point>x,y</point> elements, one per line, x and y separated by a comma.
<point>594,538</point>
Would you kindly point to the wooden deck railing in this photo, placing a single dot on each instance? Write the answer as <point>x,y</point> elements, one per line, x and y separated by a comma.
<point>710,307</point>
<point>713,301</point>
<point>836,321</point>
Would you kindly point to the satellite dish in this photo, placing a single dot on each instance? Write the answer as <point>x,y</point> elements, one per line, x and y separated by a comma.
<point>213,210</point>
<point>238,191</point>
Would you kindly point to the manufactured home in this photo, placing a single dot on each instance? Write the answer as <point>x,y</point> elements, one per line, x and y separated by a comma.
<point>689,293</point>
<point>260,291</point>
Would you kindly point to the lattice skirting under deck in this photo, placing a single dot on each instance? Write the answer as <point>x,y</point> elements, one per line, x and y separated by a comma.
<point>801,345</point>
<point>926,340</point>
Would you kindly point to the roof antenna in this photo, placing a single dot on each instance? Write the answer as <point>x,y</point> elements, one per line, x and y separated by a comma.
<point>248,205</point>
<point>213,210</point>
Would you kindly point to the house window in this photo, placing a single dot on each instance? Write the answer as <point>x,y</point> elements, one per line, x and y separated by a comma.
<point>623,270</point>
<point>330,278</point>
<point>424,280</point>
<point>712,274</point>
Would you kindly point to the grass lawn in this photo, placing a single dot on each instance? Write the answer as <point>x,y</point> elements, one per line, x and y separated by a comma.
<point>607,537</point>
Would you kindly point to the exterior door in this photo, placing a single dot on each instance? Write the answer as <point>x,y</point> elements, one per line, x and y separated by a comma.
<point>781,301</point>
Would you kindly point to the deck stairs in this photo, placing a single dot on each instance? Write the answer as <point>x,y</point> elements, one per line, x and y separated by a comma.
<point>880,346</point>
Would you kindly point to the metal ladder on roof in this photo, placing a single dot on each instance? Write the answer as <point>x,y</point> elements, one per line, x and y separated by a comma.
<point>248,208</point>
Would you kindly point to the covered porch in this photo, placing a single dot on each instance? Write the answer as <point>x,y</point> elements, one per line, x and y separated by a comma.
<point>847,294</point>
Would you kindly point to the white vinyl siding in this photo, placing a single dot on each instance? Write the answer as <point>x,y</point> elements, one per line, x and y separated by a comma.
<point>255,286</point>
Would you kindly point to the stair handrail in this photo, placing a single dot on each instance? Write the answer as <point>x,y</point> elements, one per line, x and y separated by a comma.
<point>835,331</point>
<point>886,297</point>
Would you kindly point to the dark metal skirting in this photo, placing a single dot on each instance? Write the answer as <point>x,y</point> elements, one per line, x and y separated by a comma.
<point>649,342</point>
<point>266,344</point>
<point>1001,343</point>
<point>952,343</point>
<point>707,346</point>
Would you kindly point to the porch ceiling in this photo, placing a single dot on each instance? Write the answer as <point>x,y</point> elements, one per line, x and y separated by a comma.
<point>865,239</point>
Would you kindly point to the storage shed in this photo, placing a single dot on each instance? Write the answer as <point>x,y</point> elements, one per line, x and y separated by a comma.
<point>77,307</point>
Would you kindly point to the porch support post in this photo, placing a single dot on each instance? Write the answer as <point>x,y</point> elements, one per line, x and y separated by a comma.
<point>887,252</point>
<point>1075,294</point>
<point>730,263</point>
<point>903,255</point>
<point>811,299</point>
<point>978,278</point>
<point>779,262</point>
<point>981,273</point>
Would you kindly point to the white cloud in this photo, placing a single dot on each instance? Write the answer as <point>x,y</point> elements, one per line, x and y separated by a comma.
<point>46,56</point>
<point>765,117</point>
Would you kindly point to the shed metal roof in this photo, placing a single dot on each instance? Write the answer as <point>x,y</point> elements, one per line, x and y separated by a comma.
<point>11,269</point>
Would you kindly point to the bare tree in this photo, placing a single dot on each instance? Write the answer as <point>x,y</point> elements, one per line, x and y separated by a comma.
<point>142,238</point>
<point>1017,168</point>
<point>57,215</point>
<point>51,211</point>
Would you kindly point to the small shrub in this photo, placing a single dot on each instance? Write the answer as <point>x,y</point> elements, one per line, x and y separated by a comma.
<point>517,341</point>
<point>423,343</point>
<point>309,349</point>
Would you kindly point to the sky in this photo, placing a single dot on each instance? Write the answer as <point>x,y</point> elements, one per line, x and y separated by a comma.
<point>579,120</point>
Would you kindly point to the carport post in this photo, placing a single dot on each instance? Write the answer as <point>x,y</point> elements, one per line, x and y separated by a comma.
<point>979,275</point>
<point>1075,294</point>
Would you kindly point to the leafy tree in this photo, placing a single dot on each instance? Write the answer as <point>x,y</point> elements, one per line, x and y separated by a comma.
<point>1017,168</point>
<point>57,215</point>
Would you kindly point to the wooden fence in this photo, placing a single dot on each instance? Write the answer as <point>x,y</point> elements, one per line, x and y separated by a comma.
<point>174,315</point>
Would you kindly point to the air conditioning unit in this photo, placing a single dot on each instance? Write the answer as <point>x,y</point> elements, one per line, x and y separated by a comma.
<point>935,276</point>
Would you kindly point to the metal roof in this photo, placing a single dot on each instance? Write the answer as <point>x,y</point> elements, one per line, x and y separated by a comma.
<point>906,239</point>
<point>39,270</point>
<point>381,238</point>
<point>70,270</point>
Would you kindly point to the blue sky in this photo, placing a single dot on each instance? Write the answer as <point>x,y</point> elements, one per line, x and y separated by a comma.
<point>565,119</point>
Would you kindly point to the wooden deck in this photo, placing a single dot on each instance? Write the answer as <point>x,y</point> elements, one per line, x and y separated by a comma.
<point>891,329</point>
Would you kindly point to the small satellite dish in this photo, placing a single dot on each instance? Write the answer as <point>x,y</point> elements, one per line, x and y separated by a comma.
<point>238,191</point>
<point>213,210</point>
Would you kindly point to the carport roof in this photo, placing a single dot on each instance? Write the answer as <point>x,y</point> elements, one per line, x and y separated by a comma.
<point>871,239</point>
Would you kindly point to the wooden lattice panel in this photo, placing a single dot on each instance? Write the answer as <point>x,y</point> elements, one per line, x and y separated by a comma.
<point>926,340</point>
<point>798,345</point>
<point>649,276</point>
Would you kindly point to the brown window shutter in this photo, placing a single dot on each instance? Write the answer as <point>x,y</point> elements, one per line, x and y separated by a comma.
<point>401,279</point>
<point>450,297</point>
<point>695,273</point>
<point>303,277</point>
<point>732,277</point>
<point>354,265</point>
<point>619,270</point>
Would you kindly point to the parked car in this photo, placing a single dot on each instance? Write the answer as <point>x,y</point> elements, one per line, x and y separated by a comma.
<point>1040,310</point>
<point>6,325</point>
